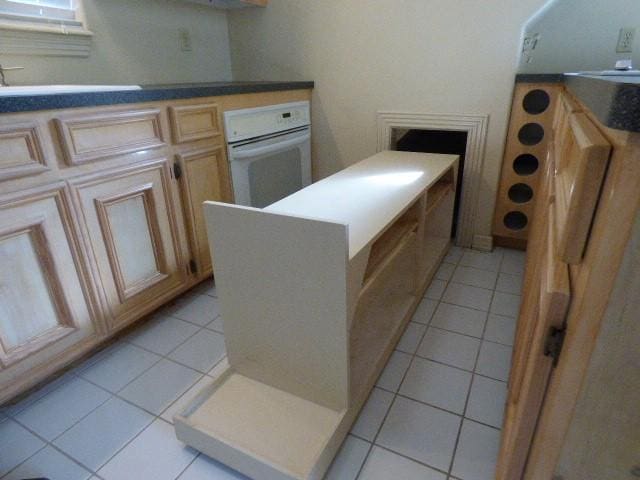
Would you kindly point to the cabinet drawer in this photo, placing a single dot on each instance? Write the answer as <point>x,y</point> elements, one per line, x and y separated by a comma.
<point>89,137</point>
<point>194,122</point>
<point>20,151</point>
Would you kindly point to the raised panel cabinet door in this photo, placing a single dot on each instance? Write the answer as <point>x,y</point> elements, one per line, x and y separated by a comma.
<point>130,228</point>
<point>204,176</point>
<point>43,310</point>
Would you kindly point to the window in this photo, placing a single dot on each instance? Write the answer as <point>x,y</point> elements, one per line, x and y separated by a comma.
<point>44,27</point>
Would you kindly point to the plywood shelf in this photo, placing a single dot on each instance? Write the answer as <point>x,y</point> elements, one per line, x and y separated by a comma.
<point>437,193</point>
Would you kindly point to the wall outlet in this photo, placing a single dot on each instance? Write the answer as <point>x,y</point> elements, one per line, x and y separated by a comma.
<point>529,44</point>
<point>184,36</point>
<point>625,40</point>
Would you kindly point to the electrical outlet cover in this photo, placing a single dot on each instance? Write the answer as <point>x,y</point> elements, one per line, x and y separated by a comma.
<point>625,40</point>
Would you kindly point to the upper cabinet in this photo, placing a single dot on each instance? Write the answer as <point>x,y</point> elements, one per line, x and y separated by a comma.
<point>232,3</point>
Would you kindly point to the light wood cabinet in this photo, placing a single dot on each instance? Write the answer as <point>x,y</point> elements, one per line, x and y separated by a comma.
<point>101,221</point>
<point>203,175</point>
<point>130,227</point>
<point>43,308</point>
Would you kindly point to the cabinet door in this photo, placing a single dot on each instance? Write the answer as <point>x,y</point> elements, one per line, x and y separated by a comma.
<point>130,228</point>
<point>43,311</point>
<point>204,176</point>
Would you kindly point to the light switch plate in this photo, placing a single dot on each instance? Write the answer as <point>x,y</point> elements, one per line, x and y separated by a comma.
<point>185,40</point>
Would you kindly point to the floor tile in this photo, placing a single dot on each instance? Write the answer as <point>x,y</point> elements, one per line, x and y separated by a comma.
<point>163,334</point>
<point>505,304</point>
<point>208,287</point>
<point>154,454</point>
<point>62,408</point>
<point>509,283</point>
<point>487,401</point>
<point>411,337</point>
<point>500,329</point>
<point>160,386</point>
<point>513,262</point>
<point>474,277</point>
<point>459,319</point>
<point>450,348</point>
<point>15,408</point>
<point>425,310</point>
<point>477,452</point>
<point>436,384</point>
<point>118,368</point>
<point>98,436</point>
<point>205,468</point>
<point>18,444</point>
<point>385,465</point>
<point>51,464</point>
<point>198,309</point>
<point>444,272</point>
<point>435,290</point>
<point>181,403</point>
<point>394,371</point>
<point>482,260</point>
<point>372,414</point>
<point>216,325</point>
<point>454,255</point>
<point>421,432</point>
<point>494,361</point>
<point>468,296</point>
<point>201,352</point>
<point>349,459</point>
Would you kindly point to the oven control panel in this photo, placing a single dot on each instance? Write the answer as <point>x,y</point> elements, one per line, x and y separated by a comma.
<point>256,122</point>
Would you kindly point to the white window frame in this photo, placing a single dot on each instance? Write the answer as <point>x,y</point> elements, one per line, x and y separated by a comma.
<point>24,31</point>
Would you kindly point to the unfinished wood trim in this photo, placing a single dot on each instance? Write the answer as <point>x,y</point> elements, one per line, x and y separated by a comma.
<point>83,136</point>
<point>194,122</point>
<point>476,127</point>
<point>102,204</point>
<point>31,162</point>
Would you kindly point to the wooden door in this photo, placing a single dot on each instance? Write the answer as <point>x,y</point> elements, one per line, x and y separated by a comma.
<point>131,230</point>
<point>204,175</point>
<point>574,172</point>
<point>43,311</point>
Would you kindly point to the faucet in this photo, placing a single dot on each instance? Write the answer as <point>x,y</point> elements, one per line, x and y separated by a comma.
<point>3,81</point>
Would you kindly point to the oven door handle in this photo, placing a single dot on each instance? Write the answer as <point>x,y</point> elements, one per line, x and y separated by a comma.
<point>276,147</point>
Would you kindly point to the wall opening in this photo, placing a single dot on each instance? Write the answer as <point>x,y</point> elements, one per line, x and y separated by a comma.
<point>435,141</point>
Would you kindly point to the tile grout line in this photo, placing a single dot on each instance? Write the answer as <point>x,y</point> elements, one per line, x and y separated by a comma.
<point>475,366</point>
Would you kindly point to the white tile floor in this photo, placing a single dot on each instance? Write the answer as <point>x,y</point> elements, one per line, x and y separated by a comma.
<point>435,413</point>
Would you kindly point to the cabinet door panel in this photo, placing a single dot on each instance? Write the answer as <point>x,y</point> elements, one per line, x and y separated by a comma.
<point>130,226</point>
<point>205,177</point>
<point>41,300</point>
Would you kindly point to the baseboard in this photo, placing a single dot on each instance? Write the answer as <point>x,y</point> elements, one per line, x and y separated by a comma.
<point>482,242</point>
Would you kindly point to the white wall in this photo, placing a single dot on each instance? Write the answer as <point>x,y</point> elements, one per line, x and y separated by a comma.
<point>581,35</point>
<point>136,41</point>
<point>439,56</point>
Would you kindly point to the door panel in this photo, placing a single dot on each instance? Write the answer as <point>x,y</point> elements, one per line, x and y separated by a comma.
<point>205,176</point>
<point>41,299</point>
<point>130,225</point>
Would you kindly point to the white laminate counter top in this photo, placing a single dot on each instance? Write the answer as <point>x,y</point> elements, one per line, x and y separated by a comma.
<point>369,195</point>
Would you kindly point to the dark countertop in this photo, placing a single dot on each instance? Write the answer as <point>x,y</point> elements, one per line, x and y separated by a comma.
<point>148,93</point>
<point>614,100</point>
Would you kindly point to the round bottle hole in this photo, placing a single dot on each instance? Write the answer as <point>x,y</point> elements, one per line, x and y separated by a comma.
<point>520,193</point>
<point>531,134</point>
<point>515,220</point>
<point>536,102</point>
<point>525,164</point>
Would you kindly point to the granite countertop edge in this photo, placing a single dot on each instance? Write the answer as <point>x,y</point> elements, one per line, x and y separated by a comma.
<point>615,101</point>
<point>148,93</point>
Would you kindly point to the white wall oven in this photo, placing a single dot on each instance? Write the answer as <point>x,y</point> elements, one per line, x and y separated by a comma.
<point>269,152</point>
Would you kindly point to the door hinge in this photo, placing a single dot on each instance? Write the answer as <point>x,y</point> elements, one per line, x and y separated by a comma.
<point>177,170</point>
<point>193,267</point>
<point>554,343</point>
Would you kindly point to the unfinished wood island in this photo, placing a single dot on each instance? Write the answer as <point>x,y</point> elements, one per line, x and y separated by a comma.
<point>315,291</point>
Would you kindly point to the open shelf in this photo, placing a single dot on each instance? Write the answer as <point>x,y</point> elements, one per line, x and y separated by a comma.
<point>436,193</point>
